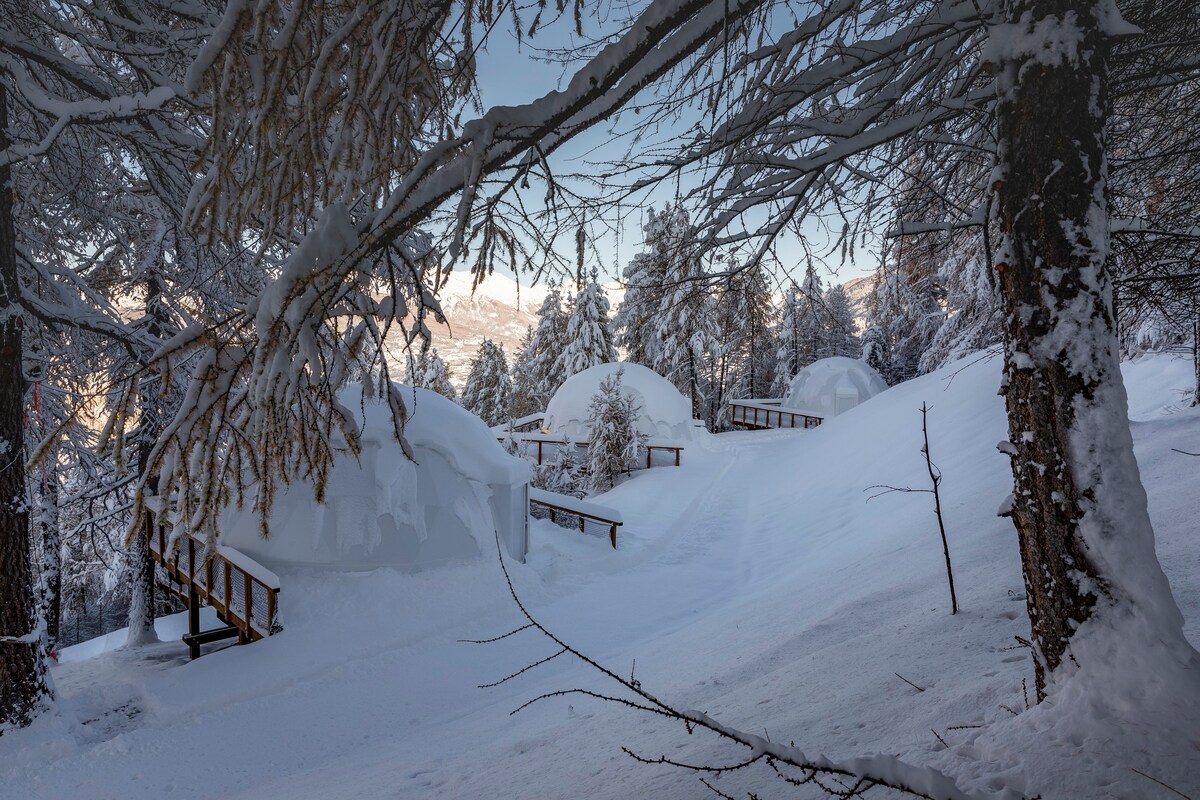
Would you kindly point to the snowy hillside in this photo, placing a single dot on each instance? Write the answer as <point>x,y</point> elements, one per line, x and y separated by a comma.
<point>756,583</point>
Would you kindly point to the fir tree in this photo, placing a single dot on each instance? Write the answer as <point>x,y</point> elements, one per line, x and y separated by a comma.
<point>788,356</point>
<point>589,340</point>
<point>841,331</point>
<point>537,373</point>
<point>526,393</point>
<point>668,238</point>
<point>687,330</point>
<point>427,370</point>
<point>488,391</point>
<point>612,418</point>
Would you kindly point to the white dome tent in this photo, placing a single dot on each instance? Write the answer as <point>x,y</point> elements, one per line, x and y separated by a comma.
<point>666,414</point>
<point>832,386</point>
<point>385,510</point>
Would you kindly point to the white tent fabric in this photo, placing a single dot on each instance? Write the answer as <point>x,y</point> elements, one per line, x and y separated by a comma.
<point>832,386</point>
<point>666,414</point>
<point>385,510</point>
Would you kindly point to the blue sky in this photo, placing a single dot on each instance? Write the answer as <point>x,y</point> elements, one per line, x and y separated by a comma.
<point>509,74</point>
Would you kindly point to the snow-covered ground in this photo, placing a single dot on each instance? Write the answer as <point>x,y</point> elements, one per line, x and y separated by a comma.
<point>755,583</point>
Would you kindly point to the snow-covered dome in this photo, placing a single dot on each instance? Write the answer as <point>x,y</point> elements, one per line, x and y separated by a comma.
<point>382,509</point>
<point>833,385</point>
<point>666,414</point>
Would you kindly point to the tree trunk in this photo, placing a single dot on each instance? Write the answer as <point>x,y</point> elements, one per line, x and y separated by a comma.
<point>1079,507</point>
<point>51,564</point>
<point>141,595</point>
<point>23,687</point>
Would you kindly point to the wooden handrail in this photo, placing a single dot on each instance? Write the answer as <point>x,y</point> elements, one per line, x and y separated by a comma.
<point>740,414</point>
<point>226,568</point>
<point>613,524</point>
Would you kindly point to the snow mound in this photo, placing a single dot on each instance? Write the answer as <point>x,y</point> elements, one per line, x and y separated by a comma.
<point>833,385</point>
<point>666,414</point>
<point>384,510</point>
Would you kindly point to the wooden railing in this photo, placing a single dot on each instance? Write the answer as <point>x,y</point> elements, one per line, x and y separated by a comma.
<point>244,594</point>
<point>541,440</point>
<point>565,505</point>
<point>759,415</point>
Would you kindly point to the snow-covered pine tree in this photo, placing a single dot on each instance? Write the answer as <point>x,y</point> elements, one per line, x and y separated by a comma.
<point>589,340</point>
<point>615,438</point>
<point>668,237</point>
<point>813,323</point>
<point>488,390</point>
<point>539,370</point>
<point>787,353</point>
<point>427,370</point>
<point>875,350</point>
<point>746,322</point>
<point>842,329</point>
<point>687,330</point>
<point>525,394</point>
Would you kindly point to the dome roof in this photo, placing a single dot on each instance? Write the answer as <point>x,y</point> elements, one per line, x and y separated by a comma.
<point>666,414</point>
<point>383,509</point>
<point>833,385</point>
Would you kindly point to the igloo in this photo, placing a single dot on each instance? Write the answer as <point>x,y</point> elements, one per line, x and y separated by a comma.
<point>382,509</point>
<point>666,414</point>
<point>833,385</point>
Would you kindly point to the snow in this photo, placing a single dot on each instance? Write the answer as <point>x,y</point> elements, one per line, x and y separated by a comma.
<point>754,583</point>
<point>383,509</point>
<point>573,503</point>
<point>832,386</point>
<point>666,414</point>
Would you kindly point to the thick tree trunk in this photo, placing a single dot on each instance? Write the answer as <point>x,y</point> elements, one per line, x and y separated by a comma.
<point>1079,507</point>
<point>51,565</point>
<point>141,595</point>
<point>23,687</point>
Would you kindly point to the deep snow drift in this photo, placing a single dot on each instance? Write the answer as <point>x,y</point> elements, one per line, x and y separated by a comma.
<point>755,583</point>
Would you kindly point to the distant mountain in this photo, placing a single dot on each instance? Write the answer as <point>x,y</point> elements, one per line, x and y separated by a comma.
<point>498,309</point>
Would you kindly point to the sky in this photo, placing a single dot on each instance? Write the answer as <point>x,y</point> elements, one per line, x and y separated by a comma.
<point>512,73</point>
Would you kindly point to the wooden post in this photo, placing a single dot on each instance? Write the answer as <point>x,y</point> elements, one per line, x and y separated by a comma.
<point>193,620</point>
<point>208,577</point>
<point>248,601</point>
<point>228,587</point>
<point>191,573</point>
<point>270,610</point>
<point>649,450</point>
<point>677,456</point>
<point>612,535</point>
<point>539,452</point>
<point>552,515</point>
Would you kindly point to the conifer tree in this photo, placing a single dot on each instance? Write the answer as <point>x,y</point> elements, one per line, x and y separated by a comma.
<point>612,419</point>
<point>526,393</point>
<point>538,373</point>
<point>841,333</point>
<point>668,237</point>
<point>427,370</point>
<point>687,330</point>
<point>589,340</point>
<point>788,354</point>
<point>488,390</point>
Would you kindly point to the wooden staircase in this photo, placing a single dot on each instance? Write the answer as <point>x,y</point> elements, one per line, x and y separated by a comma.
<point>244,593</point>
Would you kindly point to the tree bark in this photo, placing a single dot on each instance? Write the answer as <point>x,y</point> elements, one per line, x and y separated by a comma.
<point>1078,506</point>
<point>141,595</point>
<point>23,687</point>
<point>48,522</point>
